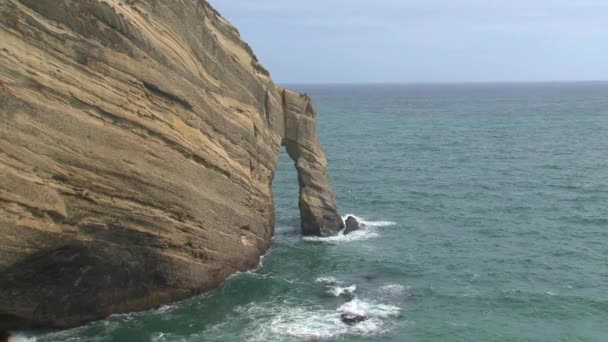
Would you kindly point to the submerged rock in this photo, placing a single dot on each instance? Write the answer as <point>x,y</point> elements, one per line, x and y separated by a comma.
<point>139,144</point>
<point>352,224</point>
<point>352,319</point>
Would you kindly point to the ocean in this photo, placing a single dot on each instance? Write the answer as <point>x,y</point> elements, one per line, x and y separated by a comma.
<point>486,211</point>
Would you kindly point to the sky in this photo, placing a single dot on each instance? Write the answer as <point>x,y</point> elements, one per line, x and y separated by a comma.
<point>411,41</point>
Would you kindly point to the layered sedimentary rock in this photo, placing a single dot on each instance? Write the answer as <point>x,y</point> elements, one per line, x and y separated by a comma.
<point>319,215</point>
<point>138,142</point>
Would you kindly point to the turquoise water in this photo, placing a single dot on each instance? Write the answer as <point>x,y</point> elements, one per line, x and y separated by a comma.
<point>487,212</point>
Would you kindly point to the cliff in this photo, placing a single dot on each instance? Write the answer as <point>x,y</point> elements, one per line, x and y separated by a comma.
<point>138,143</point>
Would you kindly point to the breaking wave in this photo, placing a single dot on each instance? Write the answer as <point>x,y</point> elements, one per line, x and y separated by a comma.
<point>367,223</point>
<point>337,291</point>
<point>368,230</point>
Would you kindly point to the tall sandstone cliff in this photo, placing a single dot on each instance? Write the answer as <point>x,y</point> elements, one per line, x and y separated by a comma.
<point>138,143</point>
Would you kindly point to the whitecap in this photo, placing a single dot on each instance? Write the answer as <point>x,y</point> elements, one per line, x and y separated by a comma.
<point>337,291</point>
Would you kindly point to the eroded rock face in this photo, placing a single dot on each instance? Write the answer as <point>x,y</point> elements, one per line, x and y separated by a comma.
<point>138,142</point>
<point>318,212</point>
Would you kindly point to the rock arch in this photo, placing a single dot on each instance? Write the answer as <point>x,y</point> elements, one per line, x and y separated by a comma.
<point>318,209</point>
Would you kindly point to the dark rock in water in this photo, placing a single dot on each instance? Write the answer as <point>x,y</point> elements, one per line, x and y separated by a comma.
<point>348,293</point>
<point>351,225</point>
<point>351,319</point>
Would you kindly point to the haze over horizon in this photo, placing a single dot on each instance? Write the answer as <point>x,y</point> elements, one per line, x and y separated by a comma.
<point>425,41</point>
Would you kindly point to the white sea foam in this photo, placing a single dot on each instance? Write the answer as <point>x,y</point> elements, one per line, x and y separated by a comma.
<point>326,280</point>
<point>337,291</point>
<point>280,321</point>
<point>370,309</point>
<point>368,230</point>
<point>275,321</point>
<point>307,324</point>
<point>366,223</point>
<point>362,234</point>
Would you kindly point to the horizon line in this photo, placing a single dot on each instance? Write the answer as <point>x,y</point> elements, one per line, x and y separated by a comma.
<point>441,82</point>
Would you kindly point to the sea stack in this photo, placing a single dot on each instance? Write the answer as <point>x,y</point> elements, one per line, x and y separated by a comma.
<point>318,212</point>
<point>138,143</point>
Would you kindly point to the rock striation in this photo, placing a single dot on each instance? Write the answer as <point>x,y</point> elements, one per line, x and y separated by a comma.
<point>138,143</point>
<point>318,212</point>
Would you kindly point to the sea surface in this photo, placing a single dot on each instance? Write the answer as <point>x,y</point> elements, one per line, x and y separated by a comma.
<point>486,212</point>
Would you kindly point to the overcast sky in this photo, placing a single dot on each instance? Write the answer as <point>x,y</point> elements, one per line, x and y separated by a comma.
<point>343,41</point>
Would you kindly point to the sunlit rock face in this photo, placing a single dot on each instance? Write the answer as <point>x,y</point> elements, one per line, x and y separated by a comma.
<point>318,210</point>
<point>138,142</point>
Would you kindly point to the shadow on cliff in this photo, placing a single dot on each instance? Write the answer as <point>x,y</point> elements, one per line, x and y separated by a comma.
<point>81,282</point>
<point>288,227</point>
